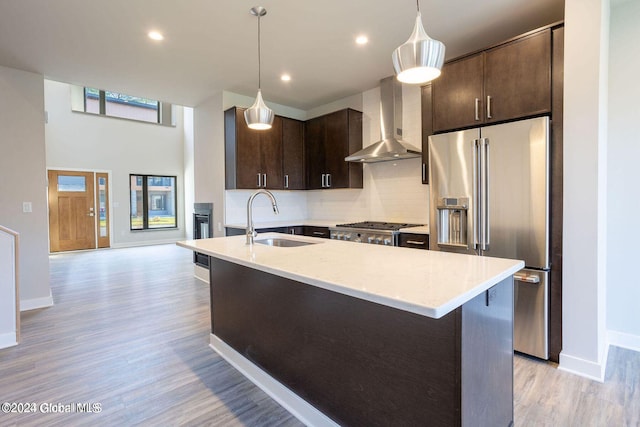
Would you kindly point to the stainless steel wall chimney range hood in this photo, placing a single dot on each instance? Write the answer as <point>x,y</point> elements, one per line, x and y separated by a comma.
<point>391,147</point>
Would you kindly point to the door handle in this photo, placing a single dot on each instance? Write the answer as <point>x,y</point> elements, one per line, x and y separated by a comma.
<point>521,277</point>
<point>487,185</point>
<point>259,180</point>
<point>477,108</point>
<point>477,203</point>
<point>286,181</point>
<point>424,172</point>
<point>264,176</point>
<point>488,107</point>
<point>328,180</point>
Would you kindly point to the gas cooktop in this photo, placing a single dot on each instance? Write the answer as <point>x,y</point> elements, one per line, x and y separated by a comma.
<point>378,225</point>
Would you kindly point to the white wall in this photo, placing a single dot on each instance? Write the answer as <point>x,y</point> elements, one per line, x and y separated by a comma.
<point>585,210</point>
<point>209,158</point>
<point>189,174</point>
<point>122,147</point>
<point>623,292</point>
<point>23,179</point>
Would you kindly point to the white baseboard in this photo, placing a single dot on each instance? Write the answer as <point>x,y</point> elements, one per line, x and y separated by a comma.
<point>584,368</point>
<point>8,340</point>
<point>35,303</point>
<point>201,273</point>
<point>624,340</point>
<point>290,401</point>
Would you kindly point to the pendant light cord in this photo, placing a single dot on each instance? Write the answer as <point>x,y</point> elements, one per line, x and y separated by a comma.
<point>259,60</point>
<point>418,5</point>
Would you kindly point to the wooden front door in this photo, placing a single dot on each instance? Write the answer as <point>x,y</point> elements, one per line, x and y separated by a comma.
<point>72,220</point>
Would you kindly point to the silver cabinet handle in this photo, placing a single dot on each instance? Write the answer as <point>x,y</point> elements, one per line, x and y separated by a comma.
<point>323,180</point>
<point>520,277</point>
<point>264,176</point>
<point>318,233</point>
<point>477,108</point>
<point>286,181</point>
<point>424,172</point>
<point>488,107</point>
<point>259,181</point>
<point>328,180</point>
<point>415,242</point>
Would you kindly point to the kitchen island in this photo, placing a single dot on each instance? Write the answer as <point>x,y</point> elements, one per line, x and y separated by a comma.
<point>351,334</point>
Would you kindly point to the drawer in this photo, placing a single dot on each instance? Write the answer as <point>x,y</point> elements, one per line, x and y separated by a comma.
<point>411,240</point>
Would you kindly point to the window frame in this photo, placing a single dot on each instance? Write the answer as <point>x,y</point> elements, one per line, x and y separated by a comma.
<point>164,111</point>
<point>145,202</point>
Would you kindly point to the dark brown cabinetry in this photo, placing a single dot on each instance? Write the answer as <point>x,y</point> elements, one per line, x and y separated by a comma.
<point>413,240</point>
<point>427,129</point>
<point>310,230</point>
<point>509,81</point>
<point>293,154</point>
<point>253,159</point>
<point>328,140</point>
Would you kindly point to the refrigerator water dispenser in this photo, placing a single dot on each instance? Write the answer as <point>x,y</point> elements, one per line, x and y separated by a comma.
<point>452,221</point>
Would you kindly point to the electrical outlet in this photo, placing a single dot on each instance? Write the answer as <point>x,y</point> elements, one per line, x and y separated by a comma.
<point>27,207</point>
<point>219,226</point>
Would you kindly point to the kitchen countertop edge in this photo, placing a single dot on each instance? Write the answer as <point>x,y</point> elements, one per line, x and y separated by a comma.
<point>305,264</point>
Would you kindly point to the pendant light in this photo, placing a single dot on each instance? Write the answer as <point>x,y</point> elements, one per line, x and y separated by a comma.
<point>258,116</point>
<point>420,58</point>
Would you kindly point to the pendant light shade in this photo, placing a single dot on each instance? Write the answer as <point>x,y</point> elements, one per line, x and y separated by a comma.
<point>419,59</point>
<point>259,116</point>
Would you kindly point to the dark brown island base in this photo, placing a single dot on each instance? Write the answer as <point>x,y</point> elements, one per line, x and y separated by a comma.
<point>332,358</point>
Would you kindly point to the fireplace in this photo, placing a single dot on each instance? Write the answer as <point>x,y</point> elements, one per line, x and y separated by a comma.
<point>202,229</point>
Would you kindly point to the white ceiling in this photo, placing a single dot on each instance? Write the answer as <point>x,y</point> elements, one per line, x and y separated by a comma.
<point>211,45</point>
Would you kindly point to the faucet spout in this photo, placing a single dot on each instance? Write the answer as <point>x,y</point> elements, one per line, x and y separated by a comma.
<point>251,231</point>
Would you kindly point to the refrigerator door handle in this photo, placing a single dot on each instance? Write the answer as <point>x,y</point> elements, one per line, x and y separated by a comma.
<point>486,232</point>
<point>477,205</point>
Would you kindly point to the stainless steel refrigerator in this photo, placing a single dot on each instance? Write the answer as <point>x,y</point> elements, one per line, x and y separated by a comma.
<point>489,196</point>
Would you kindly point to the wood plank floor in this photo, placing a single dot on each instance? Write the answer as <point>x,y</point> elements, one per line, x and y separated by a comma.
<point>130,331</point>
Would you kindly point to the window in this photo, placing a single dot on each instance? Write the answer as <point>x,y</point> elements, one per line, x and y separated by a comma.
<point>153,202</point>
<point>115,104</point>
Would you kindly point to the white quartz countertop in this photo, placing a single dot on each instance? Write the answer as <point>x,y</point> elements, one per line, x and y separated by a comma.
<point>428,283</point>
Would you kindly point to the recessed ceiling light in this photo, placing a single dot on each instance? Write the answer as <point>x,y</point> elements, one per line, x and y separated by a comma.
<point>362,40</point>
<point>154,35</point>
<point>285,77</point>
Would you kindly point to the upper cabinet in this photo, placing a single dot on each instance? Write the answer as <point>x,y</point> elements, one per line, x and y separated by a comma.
<point>293,166</point>
<point>253,159</point>
<point>293,155</point>
<point>328,140</point>
<point>509,81</point>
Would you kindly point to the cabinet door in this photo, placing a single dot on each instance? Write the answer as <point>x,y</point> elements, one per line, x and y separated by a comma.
<point>270,148</point>
<point>314,134</point>
<point>293,154</point>
<point>427,129</point>
<point>336,146</point>
<point>518,78</point>
<point>247,147</point>
<point>458,95</point>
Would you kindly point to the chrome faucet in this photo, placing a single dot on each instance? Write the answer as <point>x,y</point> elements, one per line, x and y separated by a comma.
<point>251,232</point>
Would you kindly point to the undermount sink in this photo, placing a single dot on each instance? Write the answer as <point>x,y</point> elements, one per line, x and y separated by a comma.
<point>283,243</point>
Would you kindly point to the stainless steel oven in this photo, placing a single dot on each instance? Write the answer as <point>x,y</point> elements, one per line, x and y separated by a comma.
<point>372,232</point>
